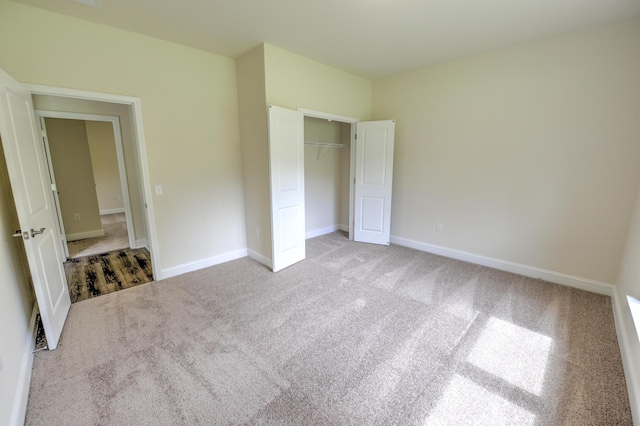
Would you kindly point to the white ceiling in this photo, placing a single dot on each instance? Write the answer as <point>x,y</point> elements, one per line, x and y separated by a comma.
<point>370,38</point>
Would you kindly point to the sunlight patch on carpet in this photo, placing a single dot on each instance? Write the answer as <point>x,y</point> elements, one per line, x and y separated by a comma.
<point>513,353</point>
<point>464,402</point>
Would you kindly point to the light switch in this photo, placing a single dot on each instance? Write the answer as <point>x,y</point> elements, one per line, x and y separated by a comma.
<point>158,189</point>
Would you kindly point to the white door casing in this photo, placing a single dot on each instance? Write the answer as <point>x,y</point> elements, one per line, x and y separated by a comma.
<point>26,164</point>
<point>42,115</point>
<point>286,174</point>
<point>54,189</point>
<point>373,181</point>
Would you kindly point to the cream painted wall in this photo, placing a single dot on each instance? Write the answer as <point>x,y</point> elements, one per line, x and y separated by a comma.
<point>16,304</point>
<point>529,154</point>
<point>56,103</point>
<point>628,283</point>
<point>190,113</point>
<point>270,75</point>
<point>293,81</point>
<point>322,175</point>
<point>255,153</point>
<point>71,160</point>
<point>104,161</point>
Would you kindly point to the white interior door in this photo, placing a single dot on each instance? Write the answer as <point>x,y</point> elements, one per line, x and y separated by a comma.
<point>286,169</point>
<point>373,181</point>
<point>31,187</point>
<point>54,189</point>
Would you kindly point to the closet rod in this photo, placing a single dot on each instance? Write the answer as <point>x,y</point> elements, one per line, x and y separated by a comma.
<point>328,145</point>
<point>324,146</point>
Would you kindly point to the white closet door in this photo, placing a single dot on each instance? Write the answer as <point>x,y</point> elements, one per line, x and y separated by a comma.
<point>373,181</point>
<point>27,166</point>
<point>286,159</point>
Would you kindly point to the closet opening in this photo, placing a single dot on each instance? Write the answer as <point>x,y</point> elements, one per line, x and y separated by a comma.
<point>328,174</point>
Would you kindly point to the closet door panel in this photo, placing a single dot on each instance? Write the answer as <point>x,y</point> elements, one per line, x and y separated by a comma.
<point>373,181</point>
<point>286,169</point>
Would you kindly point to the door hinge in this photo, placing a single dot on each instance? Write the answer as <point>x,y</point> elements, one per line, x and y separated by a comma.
<point>44,133</point>
<point>53,187</point>
<point>356,136</point>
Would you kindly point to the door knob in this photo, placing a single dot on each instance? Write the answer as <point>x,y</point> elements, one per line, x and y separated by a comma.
<point>19,234</point>
<point>34,232</point>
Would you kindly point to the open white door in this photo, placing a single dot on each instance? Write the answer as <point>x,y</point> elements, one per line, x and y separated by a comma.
<point>286,159</point>
<point>54,189</point>
<point>373,181</point>
<point>29,178</point>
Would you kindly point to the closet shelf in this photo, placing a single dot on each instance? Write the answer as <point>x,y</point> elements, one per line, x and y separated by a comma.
<point>323,145</point>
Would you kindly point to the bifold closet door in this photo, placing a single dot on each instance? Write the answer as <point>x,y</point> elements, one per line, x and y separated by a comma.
<point>373,181</point>
<point>286,170</point>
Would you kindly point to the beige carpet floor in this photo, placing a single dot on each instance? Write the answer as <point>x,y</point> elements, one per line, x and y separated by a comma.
<point>115,237</point>
<point>354,335</point>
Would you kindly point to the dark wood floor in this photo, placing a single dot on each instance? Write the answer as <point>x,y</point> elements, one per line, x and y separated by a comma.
<point>93,276</point>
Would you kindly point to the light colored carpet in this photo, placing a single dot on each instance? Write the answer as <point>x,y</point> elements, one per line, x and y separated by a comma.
<point>356,334</point>
<point>115,237</point>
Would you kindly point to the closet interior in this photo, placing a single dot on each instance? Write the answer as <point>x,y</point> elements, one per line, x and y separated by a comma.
<point>327,166</point>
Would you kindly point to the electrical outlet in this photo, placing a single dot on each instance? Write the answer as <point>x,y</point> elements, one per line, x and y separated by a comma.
<point>158,189</point>
<point>438,227</point>
<point>76,216</point>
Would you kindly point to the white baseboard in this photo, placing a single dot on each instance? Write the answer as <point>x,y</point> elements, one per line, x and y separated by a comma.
<point>19,410</point>
<point>504,265</point>
<point>111,211</point>
<point>142,242</point>
<point>628,360</point>
<point>85,235</point>
<point>260,258</point>
<point>322,231</point>
<point>204,263</point>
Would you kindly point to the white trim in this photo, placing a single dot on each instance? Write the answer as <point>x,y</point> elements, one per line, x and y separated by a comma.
<point>85,235</point>
<point>352,155</point>
<point>204,263</point>
<point>142,242</point>
<point>628,360</point>
<point>634,308</point>
<point>139,140</point>
<point>352,180</point>
<point>52,178</point>
<point>111,211</point>
<point>321,231</point>
<point>38,89</point>
<point>19,410</point>
<point>117,136</point>
<point>259,258</point>
<point>327,116</point>
<point>504,265</point>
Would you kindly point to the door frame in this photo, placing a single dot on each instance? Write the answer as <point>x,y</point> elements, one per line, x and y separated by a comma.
<point>352,154</point>
<point>124,182</point>
<point>135,105</point>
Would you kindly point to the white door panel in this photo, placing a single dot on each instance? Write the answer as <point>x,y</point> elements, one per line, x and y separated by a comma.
<point>286,162</point>
<point>373,182</point>
<point>372,214</point>
<point>26,163</point>
<point>56,198</point>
